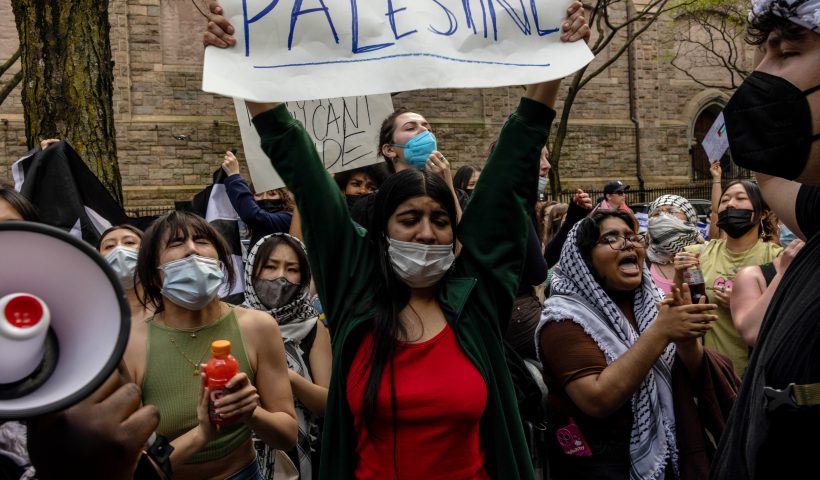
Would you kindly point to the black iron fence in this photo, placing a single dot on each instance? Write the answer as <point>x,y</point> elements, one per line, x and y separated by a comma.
<point>147,211</point>
<point>699,190</point>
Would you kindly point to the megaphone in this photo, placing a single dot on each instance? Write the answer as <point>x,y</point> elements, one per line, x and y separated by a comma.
<point>64,320</point>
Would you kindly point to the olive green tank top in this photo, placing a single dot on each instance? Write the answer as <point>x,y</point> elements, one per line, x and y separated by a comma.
<point>171,385</point>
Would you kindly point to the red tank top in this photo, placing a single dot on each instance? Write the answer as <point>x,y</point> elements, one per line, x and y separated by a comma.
<point>440,397</point>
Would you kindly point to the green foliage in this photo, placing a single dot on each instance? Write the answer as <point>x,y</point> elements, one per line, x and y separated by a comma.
<point>734,11</point>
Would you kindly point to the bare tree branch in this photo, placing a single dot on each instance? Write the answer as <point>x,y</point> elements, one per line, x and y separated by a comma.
<point>610,20</point>
<point>9,87</point>
<point>10,61</point>
<point>712,39</point>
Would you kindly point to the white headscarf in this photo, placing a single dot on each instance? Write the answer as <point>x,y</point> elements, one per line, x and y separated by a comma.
<point>805,13</point>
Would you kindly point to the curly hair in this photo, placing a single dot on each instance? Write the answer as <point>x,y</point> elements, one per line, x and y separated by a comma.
<point>760,26</point>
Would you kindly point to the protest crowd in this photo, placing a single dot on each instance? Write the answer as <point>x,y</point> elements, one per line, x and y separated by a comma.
<point>400,320</point>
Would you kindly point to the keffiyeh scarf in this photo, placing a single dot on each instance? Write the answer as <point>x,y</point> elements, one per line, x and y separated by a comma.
<point>667,236</point>
<point>577,297</point>
<point>296,320</point>
<point>678,202</point>
<point>805,13</point>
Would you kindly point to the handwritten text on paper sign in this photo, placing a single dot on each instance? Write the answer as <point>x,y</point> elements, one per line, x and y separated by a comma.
<point>304,49</point>
<point>345,132</point>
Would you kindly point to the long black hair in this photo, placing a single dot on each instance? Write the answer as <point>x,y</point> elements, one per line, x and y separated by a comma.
<point>270,245</point>
<point>765,225</point>
<point>390,294</point>
<point>463,176</point>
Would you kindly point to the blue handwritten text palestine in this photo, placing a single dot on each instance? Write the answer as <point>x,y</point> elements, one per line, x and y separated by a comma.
<point>338,128</point>
<point>478,17</point>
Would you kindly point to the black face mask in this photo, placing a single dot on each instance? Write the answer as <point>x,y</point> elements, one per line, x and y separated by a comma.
<point>275,293</point>
<point>736,222</point>
<point>351,200</point>
<point>271,206</point>
<point>769,124</point>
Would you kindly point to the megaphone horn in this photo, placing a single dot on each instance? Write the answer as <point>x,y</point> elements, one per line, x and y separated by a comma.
<point>64,320</point>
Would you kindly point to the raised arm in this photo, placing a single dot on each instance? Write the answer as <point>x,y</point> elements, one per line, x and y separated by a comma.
<point>717,189</point>
<point>336,248</point>
<point>493,231</point>
<point>245,205</point>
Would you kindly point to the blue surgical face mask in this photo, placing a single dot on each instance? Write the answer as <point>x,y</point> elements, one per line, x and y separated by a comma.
<point>123,261</point>
<point>418,149</point>
<point>192,282</point>
<point>786,236</point>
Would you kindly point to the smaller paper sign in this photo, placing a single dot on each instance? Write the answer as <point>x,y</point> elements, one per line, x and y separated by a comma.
<point>716,142</point>
<point>344,130</point>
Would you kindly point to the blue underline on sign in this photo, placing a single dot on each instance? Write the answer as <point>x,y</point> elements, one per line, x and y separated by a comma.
<point>388,57</point>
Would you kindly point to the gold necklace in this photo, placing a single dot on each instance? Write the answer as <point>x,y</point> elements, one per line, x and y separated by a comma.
<point>197,365</point>
<point>193,331</point>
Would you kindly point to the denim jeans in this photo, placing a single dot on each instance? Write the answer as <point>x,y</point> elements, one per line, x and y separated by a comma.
<point>249,472</point>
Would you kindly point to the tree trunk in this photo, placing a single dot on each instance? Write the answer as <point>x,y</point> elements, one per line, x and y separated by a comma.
<point>561,134</point>
<point>68,80</point>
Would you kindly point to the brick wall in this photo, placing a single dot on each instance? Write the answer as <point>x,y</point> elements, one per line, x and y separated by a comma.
<point>158,55</point>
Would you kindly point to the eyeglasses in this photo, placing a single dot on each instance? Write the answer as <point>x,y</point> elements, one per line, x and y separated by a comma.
<point>619,242</point>
<point>620,192</point>
<point>665,209</point>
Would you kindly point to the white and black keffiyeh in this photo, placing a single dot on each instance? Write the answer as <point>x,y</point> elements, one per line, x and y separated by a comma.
<point>578,297</point>
<point>805,13</point>
<point>296,320</point>
<point>667,236</point>
<point>678,202</point>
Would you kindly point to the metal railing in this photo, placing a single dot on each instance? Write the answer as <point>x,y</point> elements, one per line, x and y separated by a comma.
<point>701,190</point>
<point>147,211</point>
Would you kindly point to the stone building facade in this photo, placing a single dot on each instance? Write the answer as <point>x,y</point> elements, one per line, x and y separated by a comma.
<point>171,135</point>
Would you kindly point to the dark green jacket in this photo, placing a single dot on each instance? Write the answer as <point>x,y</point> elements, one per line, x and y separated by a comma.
<point>476,296</point>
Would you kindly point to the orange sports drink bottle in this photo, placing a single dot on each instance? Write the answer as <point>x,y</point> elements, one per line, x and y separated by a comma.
<point>219,370</point>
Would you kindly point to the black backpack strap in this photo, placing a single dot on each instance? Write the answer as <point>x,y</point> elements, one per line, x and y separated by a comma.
<point>769,272</point>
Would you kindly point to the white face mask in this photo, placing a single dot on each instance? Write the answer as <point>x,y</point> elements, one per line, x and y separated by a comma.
<point>542,184</point>
<point>419,265</point>
<point>123,261</point>
<point>192,282</point>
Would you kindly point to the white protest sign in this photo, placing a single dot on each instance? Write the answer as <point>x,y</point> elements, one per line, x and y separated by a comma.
<point>300,50</point>
<point>716,142</point>
<point>643,222</point>
<point>344,130</point>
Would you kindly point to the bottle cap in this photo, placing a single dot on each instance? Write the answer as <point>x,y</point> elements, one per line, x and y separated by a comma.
<point>221,347</point>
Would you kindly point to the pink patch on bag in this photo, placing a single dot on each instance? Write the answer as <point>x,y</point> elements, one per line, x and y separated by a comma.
<point>572,441</point>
